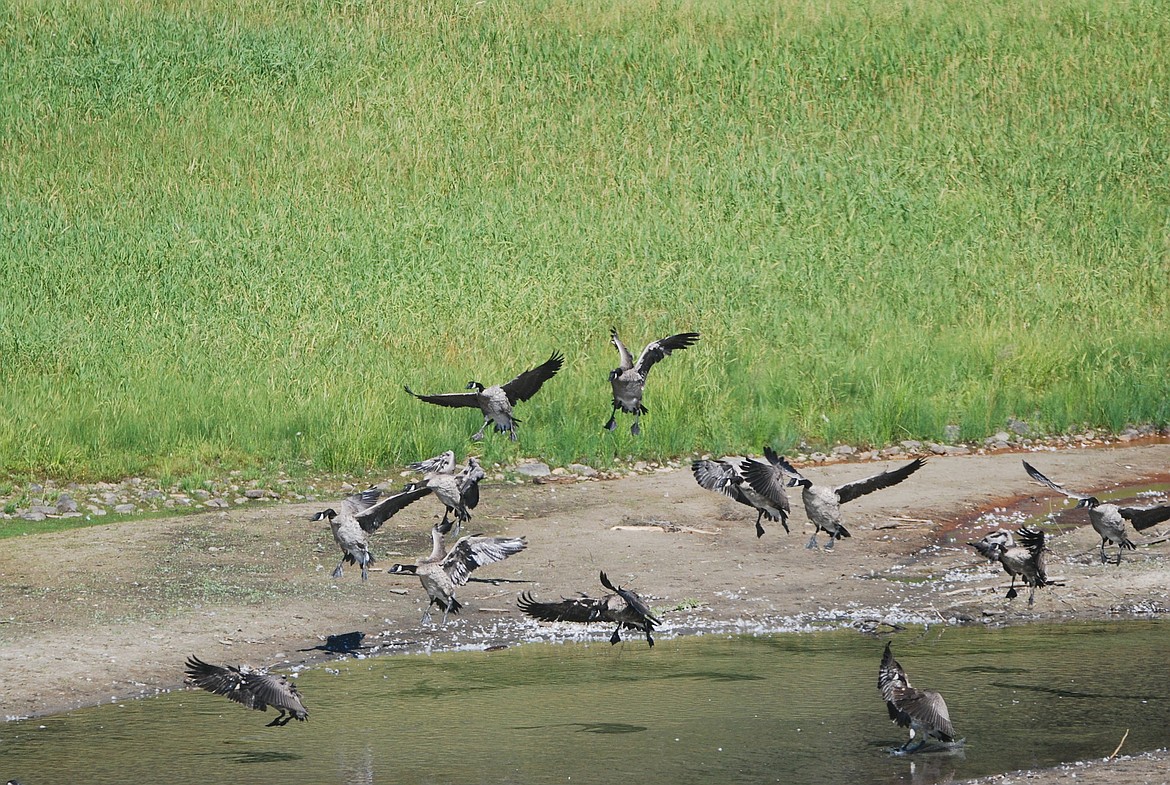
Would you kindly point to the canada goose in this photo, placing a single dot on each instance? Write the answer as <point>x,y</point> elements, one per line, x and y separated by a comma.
<point>623,607</point>
<point>823,504</point>
<point>1108,519</point>
<point>922,711</point>
<point>441,572</point>
<point>459,493</point>
<point>629,378</point>
<point>1025,560</point>
<point>496,402</point>
<point>361,515</point>
<point>256,689</point>
<point>723,477</point>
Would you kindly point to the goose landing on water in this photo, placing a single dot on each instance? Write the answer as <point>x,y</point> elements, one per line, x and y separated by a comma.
<point>256,689</point>
<point>628,380</point>
<point>623,607</point>
<point>924,712</point>
<point>823,504</point>
<point>1108,519</point>
<point>496,402</point>
<point>441,572</point>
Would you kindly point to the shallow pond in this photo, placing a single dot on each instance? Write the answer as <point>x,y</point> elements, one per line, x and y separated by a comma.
<point>794,708</point>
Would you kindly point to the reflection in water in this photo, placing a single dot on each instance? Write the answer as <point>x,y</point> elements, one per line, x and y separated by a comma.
<point>789,708</point>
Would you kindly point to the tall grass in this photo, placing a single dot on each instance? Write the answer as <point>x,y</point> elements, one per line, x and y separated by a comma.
<point>231,230</point>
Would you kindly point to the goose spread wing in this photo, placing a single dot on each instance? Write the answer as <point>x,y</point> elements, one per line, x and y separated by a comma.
<point>355,503</point>
<point>783,463</point>
<point>926,707</point>
<point>1040,478</point>
<point>220,680</point>
<point>890,674</point>
<point>1145,517</point>
<point>1031,538</point>
<point>440,464</point>
<point>475,551</point>
<point>455,400</point>
<point>659,349</point>
<point>528,383</point>
<point>372,518</point>
<point>767,479</point>
<point>276,691</point>
<point>579,609</point>
<point>852,490</point>
<point>716,476</point>
<point>625,359</point>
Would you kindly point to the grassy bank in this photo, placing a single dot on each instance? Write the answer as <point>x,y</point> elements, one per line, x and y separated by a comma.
<point>232,230</point>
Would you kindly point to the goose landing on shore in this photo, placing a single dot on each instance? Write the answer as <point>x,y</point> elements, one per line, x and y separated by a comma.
<point>496,402</point>
<point>628,380</point>
<point>1108,519</point>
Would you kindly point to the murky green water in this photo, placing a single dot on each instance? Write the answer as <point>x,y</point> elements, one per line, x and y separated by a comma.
<point>786,708</point>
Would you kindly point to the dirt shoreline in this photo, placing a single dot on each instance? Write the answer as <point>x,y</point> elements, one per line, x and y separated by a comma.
<point>110,612</point>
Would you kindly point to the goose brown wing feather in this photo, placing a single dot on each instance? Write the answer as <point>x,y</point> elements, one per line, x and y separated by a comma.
<point>625,359</point>
<point>857,488</point>
<point>528,383</point>
<point>1040,478</point>
<point>577,609</point>
<point>275,691</point>
<point>1145,517</point>
<point>657,350</point>
<point>357,502</point>
<point>372,518</point>
<point>716,476</point>
<point>474,551</point>
<point>468,400</point>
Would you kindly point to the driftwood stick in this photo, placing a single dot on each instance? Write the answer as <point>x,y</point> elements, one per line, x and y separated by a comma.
<point>1123,738</point>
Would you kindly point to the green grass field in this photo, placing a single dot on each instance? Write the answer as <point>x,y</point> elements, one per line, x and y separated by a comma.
<point>231,231</point>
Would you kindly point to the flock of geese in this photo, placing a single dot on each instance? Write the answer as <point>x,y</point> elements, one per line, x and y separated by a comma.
<point>761,485</point>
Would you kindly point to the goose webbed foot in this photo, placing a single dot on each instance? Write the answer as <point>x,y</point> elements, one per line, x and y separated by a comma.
<point>812,543</point>
<point>612,424</point>
<point>636,429</point>
<point>1012,593</point>
<point>512,434</point>
<point>615,638</point>
<point>832,542</point>
<point>337,570</point>
<point>759,530</point>
<point>280,721</point>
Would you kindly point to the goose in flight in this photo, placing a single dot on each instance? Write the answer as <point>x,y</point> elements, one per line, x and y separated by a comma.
<point>1108,519</point>
<point>924,712</point>
<point>496,402</point>
<point>723,477</point>
<point>628,380</point>
<point>442,571</point>
<point>459,493</point>
<point>822,504</point>
<point>622,607</point>
<point>255,688</point>
<point>1024,561</point>
<point>361,515</point>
